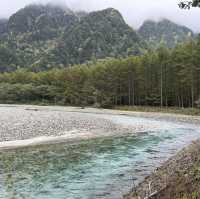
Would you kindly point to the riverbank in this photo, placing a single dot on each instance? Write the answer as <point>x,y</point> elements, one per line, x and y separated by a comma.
<point>173,110</point>
<point>27,125</point>
<point>178,178</point>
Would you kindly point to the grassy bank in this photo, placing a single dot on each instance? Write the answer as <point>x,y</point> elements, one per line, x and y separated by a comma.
<point>176,110</point>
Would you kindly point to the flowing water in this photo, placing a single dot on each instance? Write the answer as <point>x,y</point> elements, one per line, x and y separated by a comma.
<point>94,169</point>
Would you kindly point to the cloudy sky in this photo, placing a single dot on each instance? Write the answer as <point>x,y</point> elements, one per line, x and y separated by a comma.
<point>134,11</point>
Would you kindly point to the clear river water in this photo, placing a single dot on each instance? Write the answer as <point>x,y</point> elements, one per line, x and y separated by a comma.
<point>100,168</point>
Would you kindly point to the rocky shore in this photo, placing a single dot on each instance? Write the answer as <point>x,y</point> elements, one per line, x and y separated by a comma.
<point>24,125</point>
<point>178,178</point>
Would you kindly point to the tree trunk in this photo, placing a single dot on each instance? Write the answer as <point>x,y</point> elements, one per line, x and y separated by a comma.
<point>161,87</point>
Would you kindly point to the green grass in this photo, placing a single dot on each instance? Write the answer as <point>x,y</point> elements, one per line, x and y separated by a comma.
<point>184,111</point>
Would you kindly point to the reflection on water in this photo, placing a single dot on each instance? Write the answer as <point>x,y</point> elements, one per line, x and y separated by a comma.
<point>98,168</point>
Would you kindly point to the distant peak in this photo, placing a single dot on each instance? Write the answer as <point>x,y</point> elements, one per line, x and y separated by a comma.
<point>164,20</point>
<point>161,21</point>
<point>112,11</point>
<point>109,13</point>
<point>164,31</point>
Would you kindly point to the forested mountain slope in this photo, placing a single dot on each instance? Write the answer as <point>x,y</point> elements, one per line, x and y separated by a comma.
<point>41,37</point>
<point>39,22</point>
<point>164,32</point>
<point>98,35</point>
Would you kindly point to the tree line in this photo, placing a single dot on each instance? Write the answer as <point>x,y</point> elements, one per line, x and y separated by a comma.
<point>158,78</point>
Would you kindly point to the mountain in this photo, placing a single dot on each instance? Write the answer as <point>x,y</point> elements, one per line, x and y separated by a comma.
<point>46,36</point>
<point>39,37</point>
<point>164,32</point>
<point>98,35</point>
<point>41,22</point>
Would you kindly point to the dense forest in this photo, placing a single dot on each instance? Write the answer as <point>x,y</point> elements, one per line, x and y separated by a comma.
<point>53,55</point>
<point>158,78</point>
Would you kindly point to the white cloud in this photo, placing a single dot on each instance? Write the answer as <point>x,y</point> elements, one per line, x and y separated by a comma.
<point>134,11</point>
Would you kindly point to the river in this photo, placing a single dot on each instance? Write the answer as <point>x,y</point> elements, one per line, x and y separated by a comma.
<point>99,168</point>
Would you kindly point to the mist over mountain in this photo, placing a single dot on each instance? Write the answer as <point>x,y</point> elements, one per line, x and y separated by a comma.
<point>3,26</point>
<point>134,12</point>
<point>40,37</point>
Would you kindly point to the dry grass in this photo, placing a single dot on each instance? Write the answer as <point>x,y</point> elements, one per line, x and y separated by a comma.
<point>178,178</point>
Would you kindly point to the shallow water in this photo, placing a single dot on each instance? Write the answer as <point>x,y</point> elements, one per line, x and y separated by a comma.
<point>100,168</point>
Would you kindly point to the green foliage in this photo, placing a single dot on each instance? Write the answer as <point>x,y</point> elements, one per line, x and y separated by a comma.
<point>23,93</point>
<point>39,39</point>
<point>160,78</point>
<point>8,60</point>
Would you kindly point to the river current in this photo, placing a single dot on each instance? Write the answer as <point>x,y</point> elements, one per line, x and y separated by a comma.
<point>100,168</point>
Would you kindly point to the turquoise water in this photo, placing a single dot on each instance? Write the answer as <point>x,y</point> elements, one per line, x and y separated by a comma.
<point>100,168</point>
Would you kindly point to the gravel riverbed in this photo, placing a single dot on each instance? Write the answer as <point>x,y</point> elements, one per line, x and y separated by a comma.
<point>23,122</point>
<point>20,123</point>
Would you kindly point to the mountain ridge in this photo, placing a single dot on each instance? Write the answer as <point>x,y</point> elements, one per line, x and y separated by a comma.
<point>42,37</point>
<point>39,37</point>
